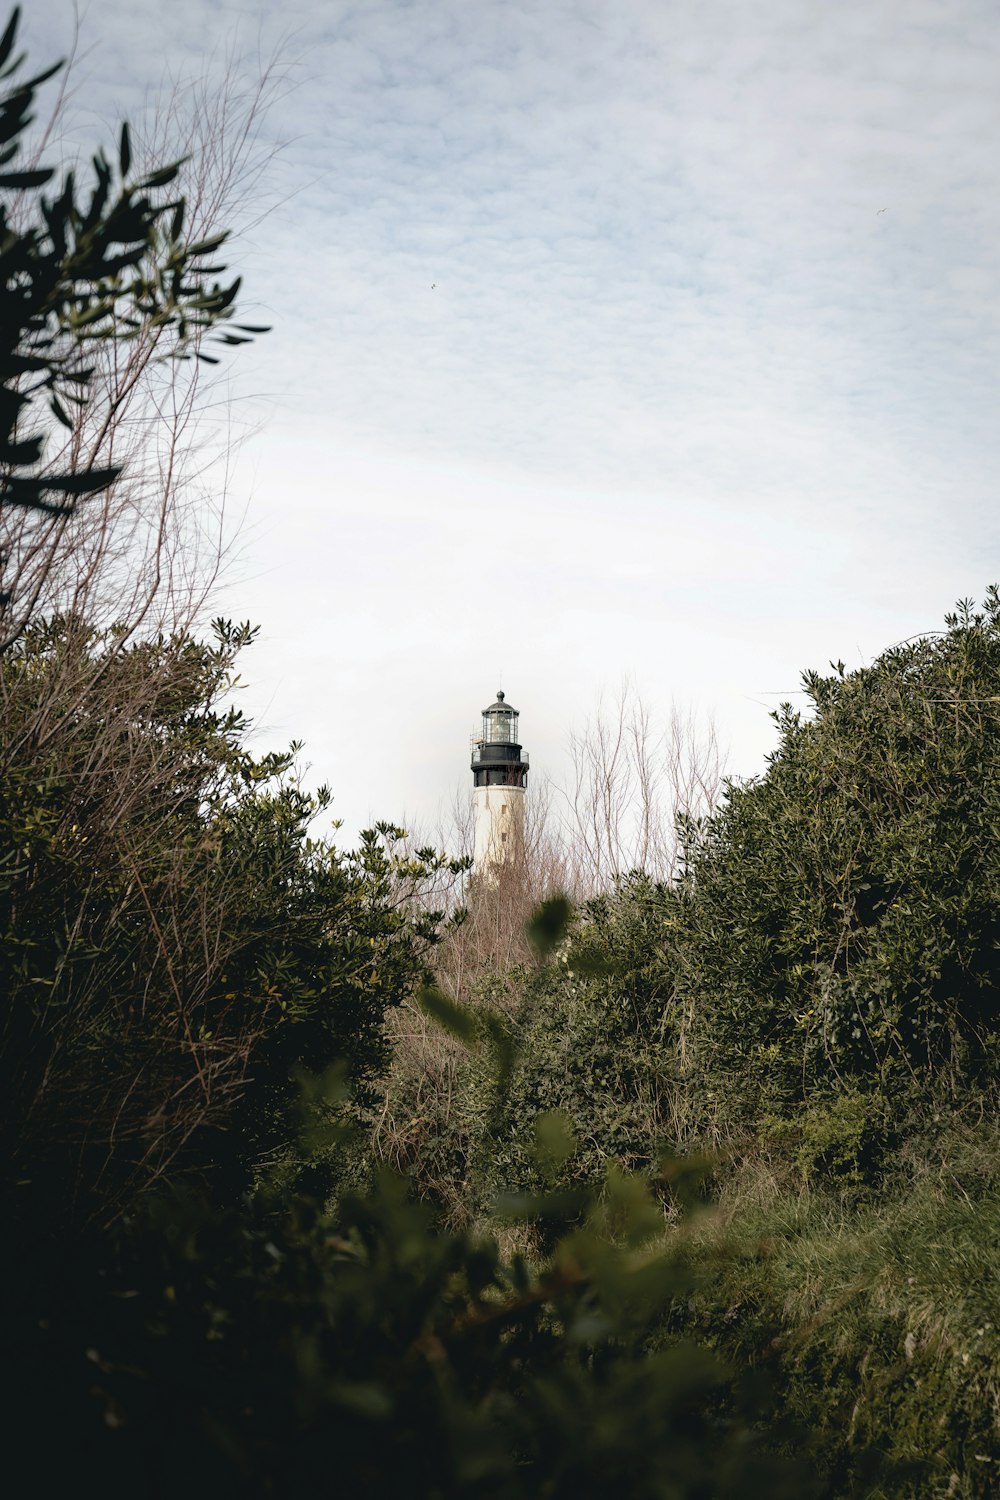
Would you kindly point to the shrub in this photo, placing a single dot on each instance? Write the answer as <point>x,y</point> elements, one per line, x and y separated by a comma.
<point>837,923</point>
<point>173,942</point>
<point>275,1350</point>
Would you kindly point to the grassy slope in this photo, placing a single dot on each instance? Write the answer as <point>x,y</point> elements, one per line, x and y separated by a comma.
<point>879,1319</point>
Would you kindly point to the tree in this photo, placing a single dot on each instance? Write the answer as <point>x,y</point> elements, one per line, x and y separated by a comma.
<point>633,784</point>
<point>108,294</point>
<point>837,927</point>
<point>79,269</point>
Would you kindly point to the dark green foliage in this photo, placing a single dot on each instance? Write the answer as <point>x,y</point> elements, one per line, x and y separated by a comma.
<point>815,1001</point>
<point>276,1352</point>
<point>839,920</point>
<point>585,1035</point>
<point>79,269</point>
<point>840,1138</point>
<point>174,945</point>
<point>548,925</point>
<point>827,968</point>
<point>201,1299</point>
<point>877,1320</point>
<point>235,1348</point>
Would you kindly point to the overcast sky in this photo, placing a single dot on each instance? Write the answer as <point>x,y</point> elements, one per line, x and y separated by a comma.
<point>611,337</point>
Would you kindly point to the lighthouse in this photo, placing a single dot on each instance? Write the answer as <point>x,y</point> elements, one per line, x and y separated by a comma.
<point>499,774</point>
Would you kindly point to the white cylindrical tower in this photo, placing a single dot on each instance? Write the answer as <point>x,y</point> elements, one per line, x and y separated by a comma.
<point>499,774</point>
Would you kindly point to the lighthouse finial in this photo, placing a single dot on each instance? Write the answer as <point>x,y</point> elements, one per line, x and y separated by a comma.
<point>499,695</point>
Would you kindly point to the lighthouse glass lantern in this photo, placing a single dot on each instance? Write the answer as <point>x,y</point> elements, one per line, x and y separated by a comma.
<point>500,723</point>
<point>499,776</point>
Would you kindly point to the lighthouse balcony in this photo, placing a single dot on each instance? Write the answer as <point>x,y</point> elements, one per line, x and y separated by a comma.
<point>496,755</point>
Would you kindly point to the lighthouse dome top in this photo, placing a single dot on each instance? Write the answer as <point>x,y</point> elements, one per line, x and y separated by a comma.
<point>500,706</point>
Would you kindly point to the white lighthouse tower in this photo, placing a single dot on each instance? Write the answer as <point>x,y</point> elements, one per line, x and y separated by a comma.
<point>499,774</point>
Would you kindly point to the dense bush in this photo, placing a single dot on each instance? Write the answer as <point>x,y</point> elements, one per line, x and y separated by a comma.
<point>814,1000</point>
<point>877,1319</point>
<point>173,942</point>
<point>273,1352</point>
<point>826,970</point>
<point>582,1035</point>
<point>165,907</point>
<point>838,924</point>
<point>593,1044</point>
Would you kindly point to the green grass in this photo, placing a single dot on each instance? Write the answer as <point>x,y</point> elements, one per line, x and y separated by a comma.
<point>878,1318</point>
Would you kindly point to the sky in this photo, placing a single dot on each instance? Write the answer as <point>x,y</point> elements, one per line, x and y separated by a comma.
<point>611,339</point>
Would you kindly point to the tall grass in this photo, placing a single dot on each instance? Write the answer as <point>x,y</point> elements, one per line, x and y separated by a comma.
<point>877,1317</point>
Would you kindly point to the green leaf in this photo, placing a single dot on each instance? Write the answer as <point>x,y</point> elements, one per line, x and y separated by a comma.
<point>18,180</point>
<point>202,247</point>
<point>125,150</point>
<point>10,35</point>
<point>557,1207</point>
<point>84,483</point>
<point>555,1142</point>
<point>457,1019</point>
<point>59,411</point>
<point>549,925</point>
<point>160,177</point>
